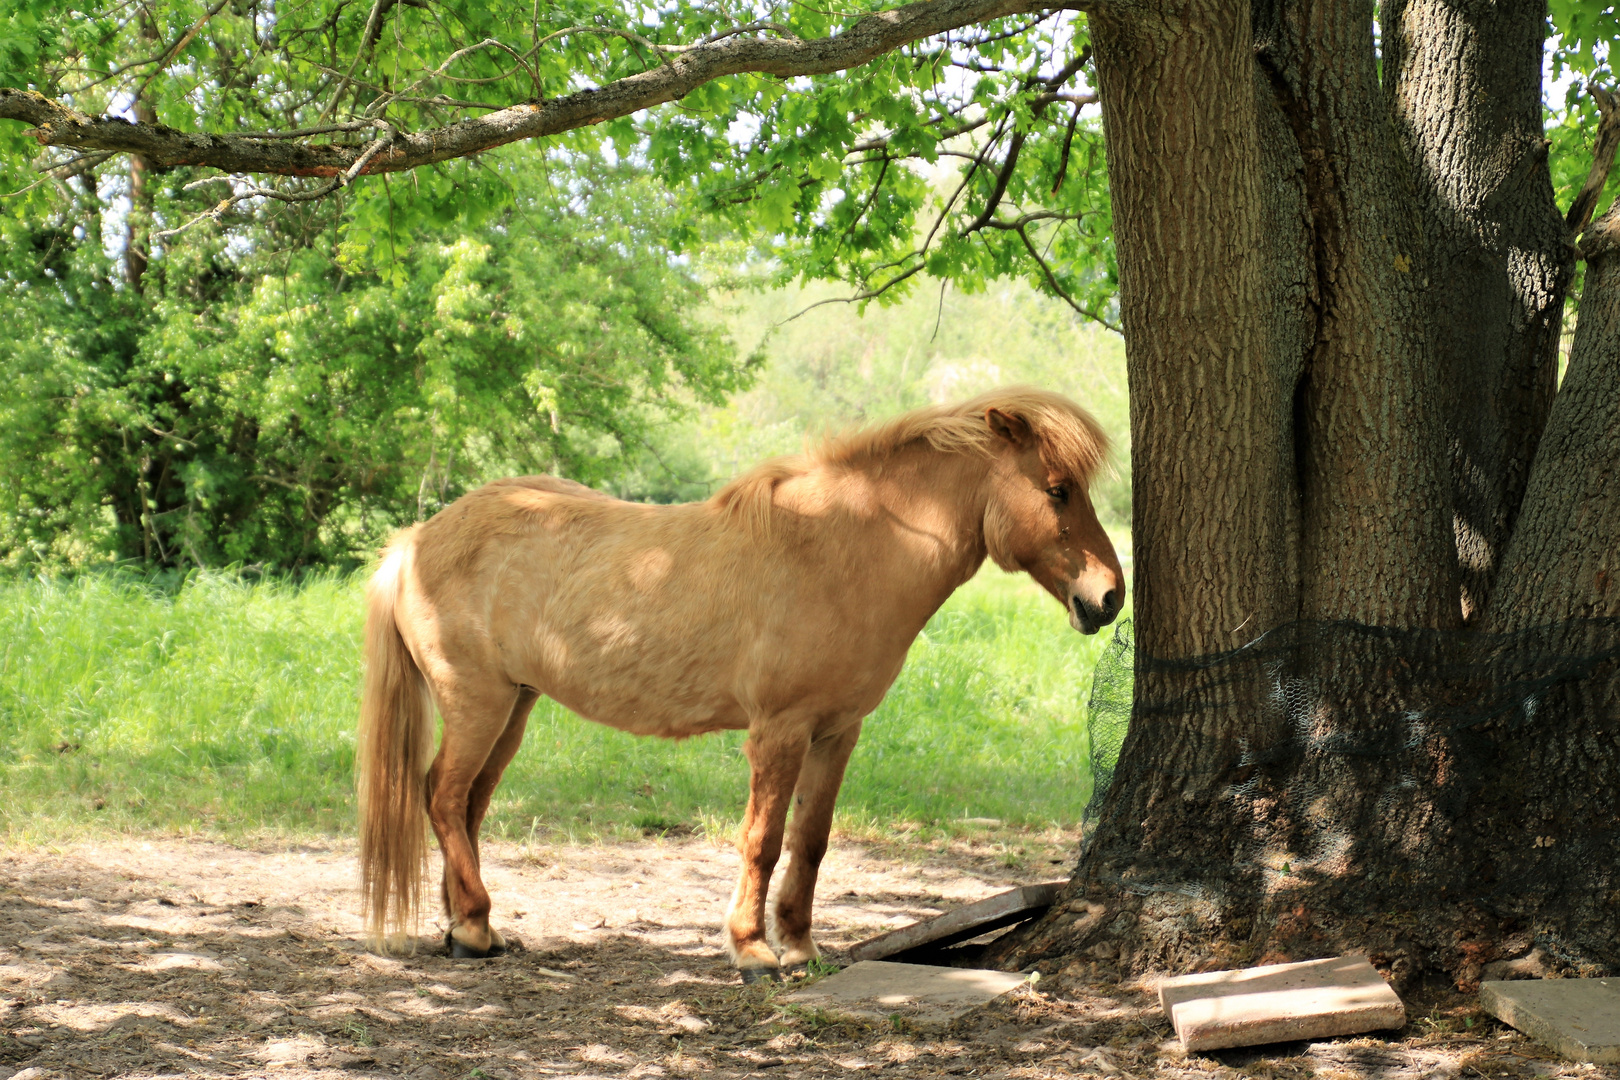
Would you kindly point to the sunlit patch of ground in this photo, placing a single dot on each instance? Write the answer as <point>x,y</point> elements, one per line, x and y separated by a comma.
<point>174,957</point>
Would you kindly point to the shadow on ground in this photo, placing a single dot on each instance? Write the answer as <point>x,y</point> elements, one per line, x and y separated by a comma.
<point>170,958</point>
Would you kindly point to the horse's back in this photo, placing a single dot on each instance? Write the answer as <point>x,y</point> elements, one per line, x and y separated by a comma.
<point>629,614</point>
<point>669,620</point>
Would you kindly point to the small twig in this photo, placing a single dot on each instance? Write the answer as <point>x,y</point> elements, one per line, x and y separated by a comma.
<point>28,188</point>
<point>377,8</point>
<point>1052,282</point>
<point>944,136</point>
<point>1063,158</point>
<point>877,185</point>
<point>868,294</point>
<point>1030,218</point>
<point>370,152</point>
<point>487,43</point>
<point>168,56</point>
<point>1002,179</point>
<point>218,210</point>
<point>760,24</point>
<point>62,170</point>
<point>609,31</point>
<point>1073,99</point>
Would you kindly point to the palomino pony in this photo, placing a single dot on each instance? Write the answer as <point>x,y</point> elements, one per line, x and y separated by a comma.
<point>784,605</point>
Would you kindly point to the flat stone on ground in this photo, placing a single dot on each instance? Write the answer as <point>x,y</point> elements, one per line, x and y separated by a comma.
<point>1579,1018</point>
<point>1316,999</point>
<point>877,990</point>
<point>965,922</point>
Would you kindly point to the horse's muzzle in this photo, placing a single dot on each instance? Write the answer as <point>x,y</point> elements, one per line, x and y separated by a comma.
<point>1089,618</point>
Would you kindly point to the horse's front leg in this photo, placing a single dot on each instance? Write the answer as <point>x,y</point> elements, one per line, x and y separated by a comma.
<point>813,802</point>
<point>774,758</point>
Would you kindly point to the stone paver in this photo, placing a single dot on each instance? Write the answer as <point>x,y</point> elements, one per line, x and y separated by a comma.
<point>1579,1018</point>
<point>877,990</point>
<point>1315,999</point>
<point>964,922</point>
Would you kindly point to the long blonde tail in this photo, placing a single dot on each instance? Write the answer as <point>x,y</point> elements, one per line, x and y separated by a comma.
<point>394,750</point>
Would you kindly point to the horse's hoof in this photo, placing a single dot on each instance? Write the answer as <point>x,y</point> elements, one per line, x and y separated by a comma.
<point>458,951</point>
<point>759,974</point>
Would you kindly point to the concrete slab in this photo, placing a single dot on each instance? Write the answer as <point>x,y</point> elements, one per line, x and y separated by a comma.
<point>1579,1018</point>
<point>877,990</point>
<point>1342,995</point>
<point>970,921</point>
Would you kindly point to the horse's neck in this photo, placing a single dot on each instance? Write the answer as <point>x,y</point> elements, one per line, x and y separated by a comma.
<point>928,504</point>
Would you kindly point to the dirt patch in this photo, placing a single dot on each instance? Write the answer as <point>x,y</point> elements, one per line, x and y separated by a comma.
<point>169,958</point>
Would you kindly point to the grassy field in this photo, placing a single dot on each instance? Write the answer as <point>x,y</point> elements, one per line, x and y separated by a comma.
<point>226,707</point>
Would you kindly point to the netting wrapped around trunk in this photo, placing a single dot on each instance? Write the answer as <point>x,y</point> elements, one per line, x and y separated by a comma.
<point>1453,794</point>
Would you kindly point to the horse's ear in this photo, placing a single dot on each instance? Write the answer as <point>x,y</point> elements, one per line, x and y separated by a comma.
<point>1009,427</point>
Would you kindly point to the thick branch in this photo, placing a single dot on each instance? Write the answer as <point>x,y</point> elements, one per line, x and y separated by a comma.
<point>1608,140</point>
<point>56,124</point>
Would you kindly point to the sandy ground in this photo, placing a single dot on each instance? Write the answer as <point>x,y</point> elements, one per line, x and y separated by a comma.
<point>171,958</point>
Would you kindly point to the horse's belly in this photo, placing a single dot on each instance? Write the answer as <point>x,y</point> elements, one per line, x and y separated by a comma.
<point>641,682</point>
<point>647,714</point>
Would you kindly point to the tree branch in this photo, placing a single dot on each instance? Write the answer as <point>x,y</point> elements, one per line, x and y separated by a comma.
<point>1608,141</point>
<point>56,124</point>
<point>1052,283</point>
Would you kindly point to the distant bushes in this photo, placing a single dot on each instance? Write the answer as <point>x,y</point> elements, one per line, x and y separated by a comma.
<point>265,400</point>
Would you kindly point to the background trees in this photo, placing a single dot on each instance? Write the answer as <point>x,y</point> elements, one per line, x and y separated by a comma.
<point>259,400</point>
<point>1343,249</point>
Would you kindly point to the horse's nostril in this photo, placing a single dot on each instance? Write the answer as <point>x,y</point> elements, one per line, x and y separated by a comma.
<point>1110,603</point>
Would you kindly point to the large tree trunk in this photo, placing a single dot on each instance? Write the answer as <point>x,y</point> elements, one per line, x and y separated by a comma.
<point>1320,755</point>
<point>1465,86</point>
<point>1184,166</point>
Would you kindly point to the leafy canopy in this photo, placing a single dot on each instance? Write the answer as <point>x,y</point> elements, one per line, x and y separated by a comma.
<point>309,361</point>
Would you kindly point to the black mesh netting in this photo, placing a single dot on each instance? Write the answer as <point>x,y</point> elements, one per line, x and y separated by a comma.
<point>1384,768</point>
<point>1108,712</point>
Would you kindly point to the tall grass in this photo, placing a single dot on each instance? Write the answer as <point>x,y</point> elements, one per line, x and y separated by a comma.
<point>226,707</point>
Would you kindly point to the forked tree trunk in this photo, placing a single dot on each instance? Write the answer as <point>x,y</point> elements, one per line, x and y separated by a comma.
<point>1320,756</point>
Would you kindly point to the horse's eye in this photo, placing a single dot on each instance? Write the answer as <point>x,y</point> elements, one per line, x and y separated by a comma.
<point>1059,492</point>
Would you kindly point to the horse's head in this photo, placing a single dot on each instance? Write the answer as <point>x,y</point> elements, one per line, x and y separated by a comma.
<point>1040,520</point>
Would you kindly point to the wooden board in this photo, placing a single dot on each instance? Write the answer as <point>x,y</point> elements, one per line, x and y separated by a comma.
<point>876,990</point>
<point>941,931</point>
<point>1316,999</point>
<point>1579,1018</point>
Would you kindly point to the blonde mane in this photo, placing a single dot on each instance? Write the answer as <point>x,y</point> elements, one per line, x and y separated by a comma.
<point>1070,441</point>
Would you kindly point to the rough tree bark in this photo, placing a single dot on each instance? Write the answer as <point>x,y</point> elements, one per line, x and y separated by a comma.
<point>1565,553</point>
<point>1464,83</point>
<point>1320,756</point>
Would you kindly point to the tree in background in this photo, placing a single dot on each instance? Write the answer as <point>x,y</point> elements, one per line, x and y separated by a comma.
<point>254,396</point>
<point>1375,699</point>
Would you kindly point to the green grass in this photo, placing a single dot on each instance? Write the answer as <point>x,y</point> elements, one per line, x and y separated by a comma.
<point>226,707</point>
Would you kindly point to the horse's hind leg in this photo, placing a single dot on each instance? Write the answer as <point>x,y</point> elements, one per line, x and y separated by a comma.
<point>813,801</point>
<point>774,762</point>
<point>483,786</point>
<point>476,718</point>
